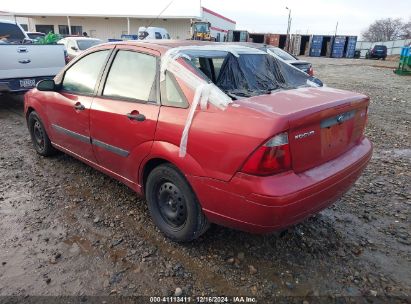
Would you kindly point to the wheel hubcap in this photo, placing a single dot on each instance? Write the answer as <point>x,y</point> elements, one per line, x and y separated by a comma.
<point>172,205</point>
<point>38,134</point>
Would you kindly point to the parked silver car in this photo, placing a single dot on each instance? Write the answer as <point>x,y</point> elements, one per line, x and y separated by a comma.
<point>76,45</point>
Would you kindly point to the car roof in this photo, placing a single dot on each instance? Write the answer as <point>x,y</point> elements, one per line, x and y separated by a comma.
<point>162,45</point>
<point>80,38</point>
<point>252,44</point>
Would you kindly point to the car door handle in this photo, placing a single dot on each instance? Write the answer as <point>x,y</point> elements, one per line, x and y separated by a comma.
<point>137,117</point>
<point>79,106</point>
<point>23,61</point>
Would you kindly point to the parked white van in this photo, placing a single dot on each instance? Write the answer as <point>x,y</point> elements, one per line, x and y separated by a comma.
<point>152,33</point>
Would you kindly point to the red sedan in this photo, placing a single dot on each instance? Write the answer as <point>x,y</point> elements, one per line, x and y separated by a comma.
<point>207,132</point>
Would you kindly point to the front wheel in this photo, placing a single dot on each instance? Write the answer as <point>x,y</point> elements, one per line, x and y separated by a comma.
<point>39,137</point>
<point>173,205</point>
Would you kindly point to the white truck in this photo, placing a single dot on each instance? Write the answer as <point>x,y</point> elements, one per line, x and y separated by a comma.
<point>23,64</point>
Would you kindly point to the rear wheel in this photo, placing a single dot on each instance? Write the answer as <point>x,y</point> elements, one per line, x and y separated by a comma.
<point>39,137</point>
<point>173,205</point>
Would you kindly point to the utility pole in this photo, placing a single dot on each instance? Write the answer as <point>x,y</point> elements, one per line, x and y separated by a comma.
<point>288,38</point>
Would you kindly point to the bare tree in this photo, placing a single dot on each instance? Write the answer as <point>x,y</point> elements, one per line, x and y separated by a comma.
<point>407,30</point>
<point>384,30</point>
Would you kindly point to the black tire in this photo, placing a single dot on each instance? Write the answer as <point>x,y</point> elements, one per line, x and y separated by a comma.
<point>173,205</point>
<point>39,137</point>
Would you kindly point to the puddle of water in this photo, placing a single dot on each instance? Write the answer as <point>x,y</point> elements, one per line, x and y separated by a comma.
<point>84,245</point>
<point>398,153</point>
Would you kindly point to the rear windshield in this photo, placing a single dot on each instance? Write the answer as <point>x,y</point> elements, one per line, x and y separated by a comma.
<point>35,35</point>
<point>11,33</point>
<point>249,74</point>
<point>282,54</point>
<point>380,47</point>
<point>84,44</point>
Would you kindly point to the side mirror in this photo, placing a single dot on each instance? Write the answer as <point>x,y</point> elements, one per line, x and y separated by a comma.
<point>46,85</point>
<point>74,48</point>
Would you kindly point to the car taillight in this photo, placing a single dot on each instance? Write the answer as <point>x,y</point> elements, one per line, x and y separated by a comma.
<point>272,157</point>
<point>311,71</point>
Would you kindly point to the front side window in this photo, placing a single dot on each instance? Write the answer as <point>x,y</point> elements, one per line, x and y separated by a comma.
<point>132,76</point>
<point>10,33</point>
<point>83,75</point>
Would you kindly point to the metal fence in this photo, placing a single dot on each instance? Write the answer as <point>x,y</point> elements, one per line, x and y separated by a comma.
<point>393,47</point>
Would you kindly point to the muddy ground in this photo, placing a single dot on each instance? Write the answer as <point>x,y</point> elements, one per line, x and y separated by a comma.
<point>66,229</point>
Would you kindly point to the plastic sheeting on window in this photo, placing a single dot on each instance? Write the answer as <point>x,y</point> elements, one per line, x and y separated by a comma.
<point>250,73</point>
<point>204,92</point>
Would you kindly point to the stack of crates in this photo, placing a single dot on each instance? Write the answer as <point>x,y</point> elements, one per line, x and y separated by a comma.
<point>404,67</point>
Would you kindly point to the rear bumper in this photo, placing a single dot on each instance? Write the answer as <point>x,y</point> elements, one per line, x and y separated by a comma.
<point>12,85</point>
<point>265,204</point>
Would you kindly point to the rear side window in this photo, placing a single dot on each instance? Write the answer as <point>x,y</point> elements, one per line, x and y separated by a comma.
<point>11,33</point>
<point>158,35</point>
<point>171,94</point>
<point>82,77</point>
<point>132,76</point>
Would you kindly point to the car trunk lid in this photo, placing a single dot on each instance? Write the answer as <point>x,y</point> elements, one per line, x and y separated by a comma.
<point>323,122</point>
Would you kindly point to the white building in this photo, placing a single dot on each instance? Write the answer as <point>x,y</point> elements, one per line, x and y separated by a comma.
<point>112,26</point>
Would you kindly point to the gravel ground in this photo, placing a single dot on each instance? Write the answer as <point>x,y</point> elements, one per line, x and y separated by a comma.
<point>66,229</point>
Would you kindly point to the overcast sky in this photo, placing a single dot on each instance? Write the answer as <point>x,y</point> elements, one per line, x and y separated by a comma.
<point>313,16</point>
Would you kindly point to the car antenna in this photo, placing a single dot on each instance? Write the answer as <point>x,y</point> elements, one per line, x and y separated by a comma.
<point>158,16</point>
